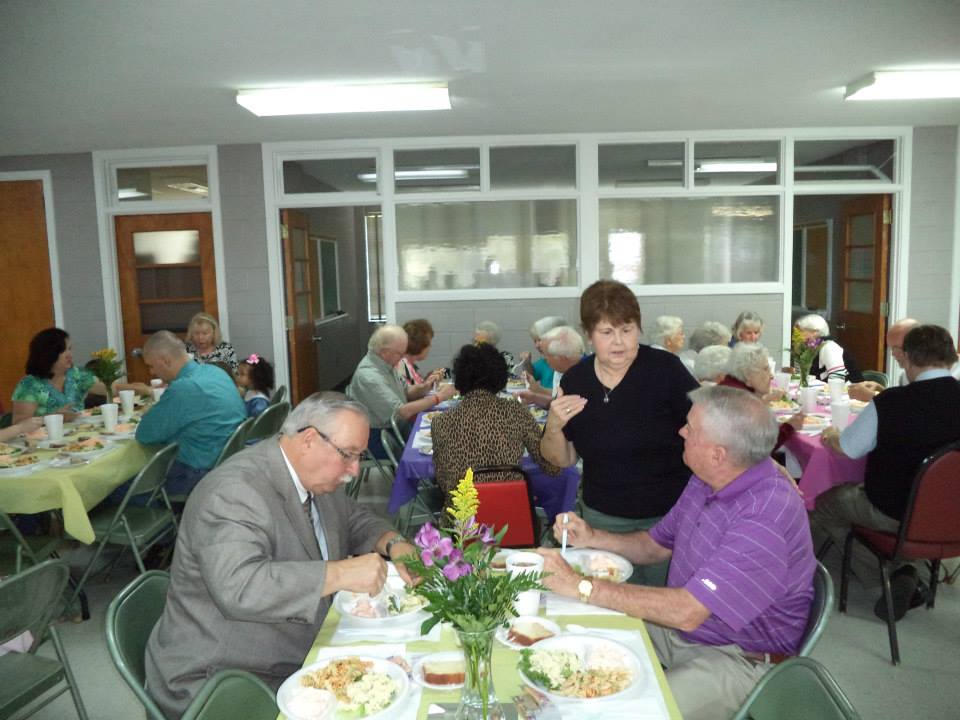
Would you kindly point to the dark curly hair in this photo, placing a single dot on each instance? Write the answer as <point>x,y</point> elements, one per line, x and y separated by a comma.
<point>45,347</point>
<point>480,367</point>
<point>261,374</point>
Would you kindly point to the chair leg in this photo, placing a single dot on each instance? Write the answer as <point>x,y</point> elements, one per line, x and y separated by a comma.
<point>68,674</point>
<point>891,623</point>
<point>934,582</point>
<point>824,549</point>
<point>845,572</point>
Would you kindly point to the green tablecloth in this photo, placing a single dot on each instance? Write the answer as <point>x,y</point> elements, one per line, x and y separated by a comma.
<point>76,489</point>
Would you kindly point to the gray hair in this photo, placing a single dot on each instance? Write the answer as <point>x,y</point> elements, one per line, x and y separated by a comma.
<point>563,341</point>
<point>664,327</point>
<point>321,411</point>
<point>384,336</point>
<point>813,323</point>
<point>711,362</point>
<point>739,421</point>
<point>545,324</point>
<point>491,330</point>
<point>746,358</point>
<point>710,333</point>
<point>747,319</point>
<point>164,342</point>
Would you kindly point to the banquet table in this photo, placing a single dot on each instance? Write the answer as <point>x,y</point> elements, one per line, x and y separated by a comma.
<point>554,493</point>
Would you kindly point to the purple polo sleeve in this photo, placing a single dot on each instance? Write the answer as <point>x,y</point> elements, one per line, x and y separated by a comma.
<point>664,533</point>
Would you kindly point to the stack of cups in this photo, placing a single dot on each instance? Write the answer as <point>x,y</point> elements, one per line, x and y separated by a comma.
<point>808,399</point>
<point>837,387</point>
<point>126,400</point>
<point>157,392</point>
<point>54,426</point>
<point>109,413</point>
<point>782,380</point>
<point>527,602</point>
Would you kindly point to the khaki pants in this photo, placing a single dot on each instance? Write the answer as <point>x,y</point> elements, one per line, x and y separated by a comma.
<point>653,575</point>
<point>709,682</point>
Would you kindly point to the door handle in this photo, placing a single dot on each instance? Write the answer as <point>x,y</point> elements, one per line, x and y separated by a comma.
<point>317,338</point>
<point>840,326</point>
<point>137,352</point>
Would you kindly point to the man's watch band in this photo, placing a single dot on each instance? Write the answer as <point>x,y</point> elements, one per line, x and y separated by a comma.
<point>391,542</point>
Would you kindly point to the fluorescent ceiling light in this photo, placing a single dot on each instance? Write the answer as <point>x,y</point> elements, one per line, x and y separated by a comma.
<point>905,85</point>
<point>421,174</point>
<point>190,187</point>
<point>736,166</point>
<point>327,98</point>
<point>130,194</point>
<point>664,163</point>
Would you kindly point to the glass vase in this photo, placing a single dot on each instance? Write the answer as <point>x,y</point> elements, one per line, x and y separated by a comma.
<point>478,700</point>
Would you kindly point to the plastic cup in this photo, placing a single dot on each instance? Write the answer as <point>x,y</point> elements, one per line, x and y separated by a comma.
<point>126,399</point>
<point>54,426</point>
<point>527,602</point>
<point>156,392</point>
<point>837,387</point>
<point>109,413</point>
<point>782,380</point>
<point>840,414</point>
<point>808,399</point>
<point>156,382</point>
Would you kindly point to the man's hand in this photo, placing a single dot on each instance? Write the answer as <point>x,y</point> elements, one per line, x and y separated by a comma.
<point>831,438</point>
<point>864,391</point>
<point>579,533</point>
<point>364,573</point>
<point>398,552</point>
<point>445,392</point>
<point>558,575</point>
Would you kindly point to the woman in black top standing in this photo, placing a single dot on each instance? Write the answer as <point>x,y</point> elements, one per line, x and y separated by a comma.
<point>621,410</point>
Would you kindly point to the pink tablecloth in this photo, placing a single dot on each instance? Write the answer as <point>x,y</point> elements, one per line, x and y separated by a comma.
<point>822,468</point>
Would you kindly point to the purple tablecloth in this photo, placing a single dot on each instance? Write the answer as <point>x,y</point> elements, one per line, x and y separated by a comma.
<point>555,494</point>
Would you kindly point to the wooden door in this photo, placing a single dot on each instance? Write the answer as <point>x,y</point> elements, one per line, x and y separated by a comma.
<point>26,293</point>
<point>166,274</point>
<point>865,250</point>
<point>299,278</point>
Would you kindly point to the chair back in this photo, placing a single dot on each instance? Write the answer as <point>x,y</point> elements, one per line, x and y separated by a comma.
<point>131,617</point>
<point>798,689</point>
<point>232,694</point>
<point>507,503</point>
<point>235,442</point>
<point>396,426</point>
<point>14,548</point>
<point>390,446</point>
<point>876,376</point>
<point>29,600</point>
<point>268,423</point>
<point>279,395</point>
<point>150,479</point>
<point>929,528</point>
<point>820,610</point>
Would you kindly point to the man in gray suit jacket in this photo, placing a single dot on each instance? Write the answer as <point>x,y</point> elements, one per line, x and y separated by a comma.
<point>253,577</point>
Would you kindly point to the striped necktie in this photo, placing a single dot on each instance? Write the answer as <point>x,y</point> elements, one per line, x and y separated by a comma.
<point>308,511</point>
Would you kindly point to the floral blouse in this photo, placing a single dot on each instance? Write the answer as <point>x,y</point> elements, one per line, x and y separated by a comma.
<point>77,384</point>
<point>223,352</point>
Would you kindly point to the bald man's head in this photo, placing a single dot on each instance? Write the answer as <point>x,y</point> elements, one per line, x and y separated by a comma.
<point>895,335</point>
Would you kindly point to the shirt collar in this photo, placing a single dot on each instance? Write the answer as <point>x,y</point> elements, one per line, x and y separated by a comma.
<point>188,369</point>
<point>933,374</point>
<point>745,480</point>
<point>301,490</point>
<point>379,361</point>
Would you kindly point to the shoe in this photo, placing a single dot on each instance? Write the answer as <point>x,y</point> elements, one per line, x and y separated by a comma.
<point>906,592</point>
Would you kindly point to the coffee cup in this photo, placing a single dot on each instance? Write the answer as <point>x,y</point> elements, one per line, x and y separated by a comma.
<point>156,382</point>
<point>156,392</point>
<point>837,386</point>
<point>126,400</point>
<point>527,602</point>
<point>840,414</point>
<point>54,426</point>
<point>109,413</point>
<point>808,399</point>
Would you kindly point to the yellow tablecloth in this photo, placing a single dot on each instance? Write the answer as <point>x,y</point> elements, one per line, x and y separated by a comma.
<point>506,678</point>
<point>74,489</point>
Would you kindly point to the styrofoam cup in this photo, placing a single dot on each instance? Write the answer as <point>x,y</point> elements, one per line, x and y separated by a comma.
<point>837,386</point>
<point>126,399</point>
<point>808,399</point>
<point>156,382</point>
<point>157,392</point>
<point>109,413</point>
<point>782,380</point>
<point>840,414</point>
<point>527,602</point>
<point>54,426</point>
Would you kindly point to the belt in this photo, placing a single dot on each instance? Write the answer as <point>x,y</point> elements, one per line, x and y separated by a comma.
<point>759,658</point>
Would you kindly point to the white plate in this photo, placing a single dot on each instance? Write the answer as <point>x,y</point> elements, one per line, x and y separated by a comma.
<point>24,469</point>
<point>417,671</point>
<point>583,646</point>
<point>379,665</point>
<point>504,639</point>
<point>345,601</point>
<point>583,556</point>
<point>814,424</point>
<point>92,452</point>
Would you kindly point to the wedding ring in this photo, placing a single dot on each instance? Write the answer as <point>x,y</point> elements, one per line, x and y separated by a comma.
<point>568,411</point>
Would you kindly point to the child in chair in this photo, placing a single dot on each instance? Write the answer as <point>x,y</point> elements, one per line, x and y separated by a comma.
<point>255,380</point>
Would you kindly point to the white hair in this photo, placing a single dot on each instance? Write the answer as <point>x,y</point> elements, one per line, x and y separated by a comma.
<point>384,336</point>
<point>321,411</point>
<point>813,323</point>
<point>490,329</point>
<point>711,362</point>
<point>739,421</point>
<point>710,333</point>
<point>545,324</point>
<point>165,343</point>
<point>664,327</point>
<point>563,341</point>
<point>747,319</point>
<point>746,358</point>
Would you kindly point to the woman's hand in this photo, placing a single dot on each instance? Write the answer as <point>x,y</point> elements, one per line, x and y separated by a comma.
<point>69,414</point>
<point>563,408</point>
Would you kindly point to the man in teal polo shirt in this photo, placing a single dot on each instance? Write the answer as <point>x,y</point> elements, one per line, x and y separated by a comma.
<point>200,409</point>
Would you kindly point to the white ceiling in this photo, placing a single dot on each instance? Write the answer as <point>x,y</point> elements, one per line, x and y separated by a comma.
<point>79,75</point>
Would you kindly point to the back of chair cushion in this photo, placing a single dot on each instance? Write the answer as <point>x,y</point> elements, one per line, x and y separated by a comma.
<point>507,503</point>
<point>936,508</point>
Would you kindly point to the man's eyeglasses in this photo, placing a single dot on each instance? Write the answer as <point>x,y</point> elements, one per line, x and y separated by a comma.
<point>347,456</point>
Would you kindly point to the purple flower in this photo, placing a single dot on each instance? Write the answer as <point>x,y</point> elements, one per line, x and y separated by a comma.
<point>812,342</point>
<point>445,548</point>
<point>442,549</point>
<point>453,571</point>
<point>427,537</point>
<point>427,557</point>
<point>486,534</point>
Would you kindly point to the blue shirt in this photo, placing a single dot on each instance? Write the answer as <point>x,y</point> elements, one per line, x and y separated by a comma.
<point>199,410</point>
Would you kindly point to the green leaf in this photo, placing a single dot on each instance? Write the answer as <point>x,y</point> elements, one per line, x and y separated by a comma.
<point>535,675</point>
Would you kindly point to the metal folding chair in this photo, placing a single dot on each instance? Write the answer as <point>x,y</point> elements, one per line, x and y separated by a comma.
<point>268,423</point>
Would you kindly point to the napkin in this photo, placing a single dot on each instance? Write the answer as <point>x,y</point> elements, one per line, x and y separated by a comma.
<point>557,605</point>
<point>398,630</point>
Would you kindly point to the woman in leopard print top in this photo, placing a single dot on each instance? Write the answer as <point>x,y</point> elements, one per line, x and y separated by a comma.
<point>483,429</point>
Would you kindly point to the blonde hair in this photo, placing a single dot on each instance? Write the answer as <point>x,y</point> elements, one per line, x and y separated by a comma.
<point>202,318</point>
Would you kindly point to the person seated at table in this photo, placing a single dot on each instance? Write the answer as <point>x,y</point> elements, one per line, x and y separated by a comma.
<point>832,360</point>
<point>562,348</point>
<point>711,364</point>
<point>667,334</point>
<point>419,339</point>
<point>484,429</point>
<point>379,388</point>
<point>540,370</point>
<point>206,344</point>
<point>488,332</point>
<point>741,560</point>
<point>255,380</point>
<point>265,541</point>
<point>53,384</point>
<point>200,409</point>
<point>748,327</point>
<point>708,334</point>
<point>898,429</point>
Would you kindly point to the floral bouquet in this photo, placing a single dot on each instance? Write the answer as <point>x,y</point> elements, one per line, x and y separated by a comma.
<point>107,368</point>
<point>804,351</point>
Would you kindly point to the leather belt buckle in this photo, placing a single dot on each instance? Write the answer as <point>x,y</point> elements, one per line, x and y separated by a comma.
<point>759,658</point>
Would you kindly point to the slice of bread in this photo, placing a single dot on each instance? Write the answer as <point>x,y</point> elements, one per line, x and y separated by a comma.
<point>444,672</point>
<point>527,633</point>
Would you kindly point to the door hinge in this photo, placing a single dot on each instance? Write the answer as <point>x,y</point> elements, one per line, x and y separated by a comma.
<point>284,232</point>
<point>289,322</point>
<point>884,308</point>
<point>887,217</point>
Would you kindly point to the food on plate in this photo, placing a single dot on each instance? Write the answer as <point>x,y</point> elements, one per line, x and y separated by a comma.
<point>15,461</point>
<point>310,703</point>
<point>7,449</point>
<point>597,566</point>
<point>444,672</point>
<point>813,421</point>
<point>428,417</point>
<point>603,672</point>
<point>359,689</point>
<point>84,444</point>
<point>783,405</point>
<point>386,604</point>
<point>527,633</point>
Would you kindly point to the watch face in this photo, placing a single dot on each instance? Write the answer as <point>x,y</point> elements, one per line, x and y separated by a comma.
<point>585,587</point>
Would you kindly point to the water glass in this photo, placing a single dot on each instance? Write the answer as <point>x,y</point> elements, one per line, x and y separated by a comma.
<point>837,387</point>
<point>782,380</point>
<point>156,382</point>
<point>840,413</point>
<point>808,399</point>
<point>109,413</point>
<point>54,426</point>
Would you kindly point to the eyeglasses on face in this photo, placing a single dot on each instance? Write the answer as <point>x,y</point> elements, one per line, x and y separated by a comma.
<point>347,455</point>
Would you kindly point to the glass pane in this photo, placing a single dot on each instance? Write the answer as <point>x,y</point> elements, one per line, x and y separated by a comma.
<point>303,306</point>
<point>860,297</point>
<point>298,241</point>
<point>689,240</point>
<point>437,169</point>
<point>522,243</point>
<point>533,166</point>
<point>299,276</point>
<point>163,184</point>
<point>736,163</point>
<point>373,241</point>
<point>333,175</point>
<point>166,247</point>
<point>169,282</point>
<point>861,230</point>
<point>824,160</point>
<point>172,316</point>
<point>329,277</point>
<point>641,165</point>
<point>861,264</point>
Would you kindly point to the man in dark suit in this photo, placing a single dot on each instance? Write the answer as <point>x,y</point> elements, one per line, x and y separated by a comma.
<point>266,539</point>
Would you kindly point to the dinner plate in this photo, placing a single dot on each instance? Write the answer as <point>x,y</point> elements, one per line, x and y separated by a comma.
<point>30,463</point>
<point>428,417</point>
<point>346,603</point>
<point>814,424</point>
<point>292,684</point>
<point>10,450</point>
<point>417,672</point>
<point>502,633</point>
<point>600,564</point>
<point>591,652</point>
<point>91,451</point>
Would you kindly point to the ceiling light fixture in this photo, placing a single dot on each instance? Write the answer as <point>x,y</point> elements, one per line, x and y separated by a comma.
<point>328,98</point>
<point>130,194</point>
<point>190,187</point>
<point>736,166</point>
<point>905,85</point>
<point>421,174</point>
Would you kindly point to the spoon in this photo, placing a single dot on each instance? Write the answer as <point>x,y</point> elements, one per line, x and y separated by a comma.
<point>563,536</point>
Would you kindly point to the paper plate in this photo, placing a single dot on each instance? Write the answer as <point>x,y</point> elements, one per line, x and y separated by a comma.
<point>600,564</point>
<point>417,671</point>
<point>503,633</point>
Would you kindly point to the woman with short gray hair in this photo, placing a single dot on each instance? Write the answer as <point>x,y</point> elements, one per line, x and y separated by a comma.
<point>832,360</point>
<point>710,366</point>
<point>710,333</point>
<point>541,370</point>
<point>748,327</point>
<point>667,334</point>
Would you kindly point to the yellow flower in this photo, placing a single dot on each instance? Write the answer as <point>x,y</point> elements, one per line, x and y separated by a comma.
<point>465,499</point>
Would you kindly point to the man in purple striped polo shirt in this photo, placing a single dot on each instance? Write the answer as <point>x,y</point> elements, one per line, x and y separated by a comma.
<point>741,560</point>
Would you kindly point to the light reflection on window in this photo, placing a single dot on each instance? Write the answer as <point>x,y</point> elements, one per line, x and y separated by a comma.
<point>625,252</point>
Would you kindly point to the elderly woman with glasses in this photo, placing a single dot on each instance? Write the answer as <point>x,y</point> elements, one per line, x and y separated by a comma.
<point>748,327</point>
<point>832,360</point>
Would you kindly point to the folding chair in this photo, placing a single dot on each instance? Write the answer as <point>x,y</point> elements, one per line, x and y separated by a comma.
<point>236,442</point>
<point>507,503</point>
<point>268,423</point>
<point>135,527</point>
<point>29,601</point>
<point>797,689</point>
<point>279,395</point>
<point>876,376</point>
<point>820,610</point>
<point>232,694</point>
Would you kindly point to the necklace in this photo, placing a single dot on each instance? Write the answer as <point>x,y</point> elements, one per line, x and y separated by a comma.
<point>606,393</point>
